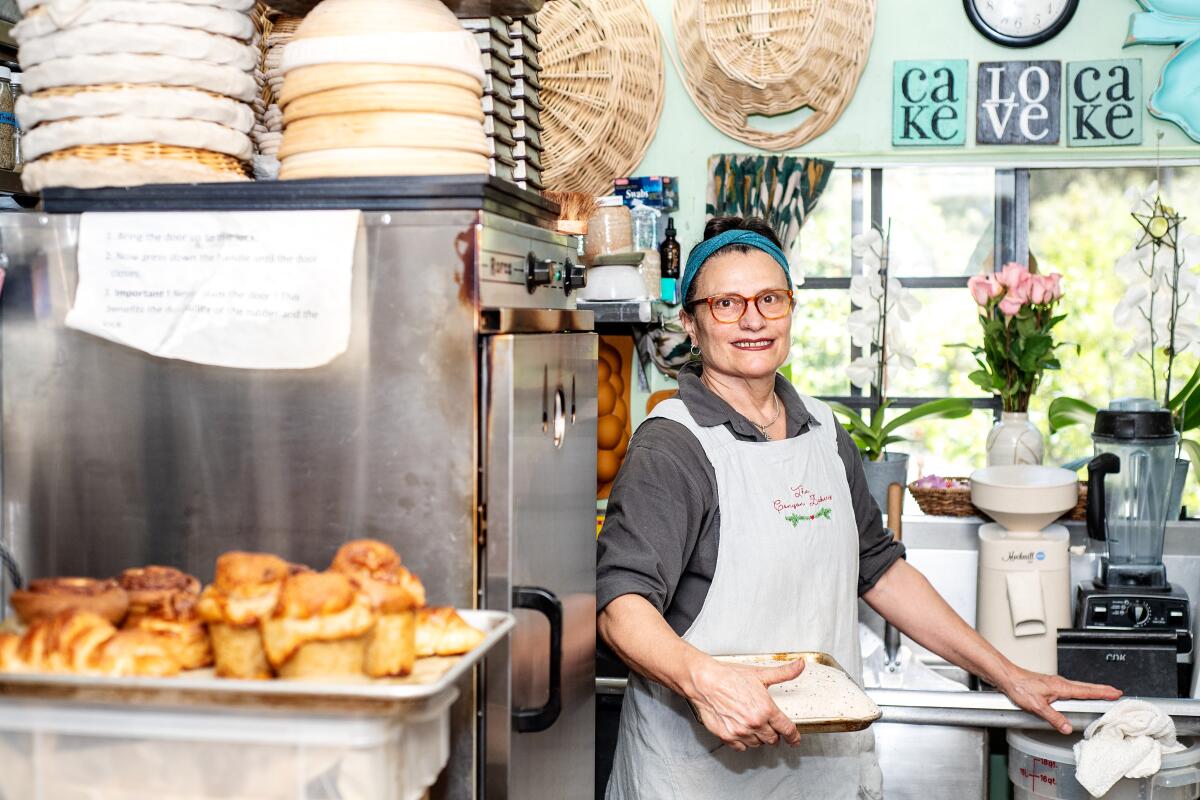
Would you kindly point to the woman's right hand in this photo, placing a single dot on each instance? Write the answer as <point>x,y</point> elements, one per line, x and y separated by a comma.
<point>732,702</point>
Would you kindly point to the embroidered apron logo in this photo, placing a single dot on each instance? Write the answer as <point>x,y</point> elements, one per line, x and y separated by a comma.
<point>804,505</point>
<point>796,519</point>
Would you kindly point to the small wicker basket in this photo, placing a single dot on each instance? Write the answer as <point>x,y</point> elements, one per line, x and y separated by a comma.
<point>956,501</point>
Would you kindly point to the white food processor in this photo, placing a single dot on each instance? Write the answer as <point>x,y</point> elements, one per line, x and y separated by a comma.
<point>1024,567</point>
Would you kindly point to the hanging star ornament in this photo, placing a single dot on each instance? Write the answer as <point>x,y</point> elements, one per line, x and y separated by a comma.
<point>1160,225</point>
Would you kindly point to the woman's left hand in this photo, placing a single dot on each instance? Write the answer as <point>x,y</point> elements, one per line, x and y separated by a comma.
<point>1034,692</point>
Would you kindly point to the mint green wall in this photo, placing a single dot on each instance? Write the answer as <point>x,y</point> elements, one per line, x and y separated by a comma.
<point>909,29</point>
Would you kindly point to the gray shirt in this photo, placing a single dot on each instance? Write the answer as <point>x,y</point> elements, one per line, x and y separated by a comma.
<point>663,521</point>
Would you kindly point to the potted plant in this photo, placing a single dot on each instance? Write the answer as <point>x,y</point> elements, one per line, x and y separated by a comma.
<point>881,307</point>
<point>1016,312</point>
<point>1159,306</point>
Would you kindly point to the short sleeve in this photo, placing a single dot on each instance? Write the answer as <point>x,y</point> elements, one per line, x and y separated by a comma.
<point>656,511</point>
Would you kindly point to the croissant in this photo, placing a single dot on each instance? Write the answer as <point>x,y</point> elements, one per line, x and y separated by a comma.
<point>442,632</point>
<point>84,643</point>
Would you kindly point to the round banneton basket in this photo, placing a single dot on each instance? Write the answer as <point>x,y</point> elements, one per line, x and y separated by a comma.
<point>602,79</point>
<point>771,57</point>
<point>93,166</point>
<point>955,501</point>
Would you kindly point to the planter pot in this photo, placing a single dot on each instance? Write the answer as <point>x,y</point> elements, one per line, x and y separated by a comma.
<point>1175,506</point>
<point>892,468</point>
<point>1014,440</point>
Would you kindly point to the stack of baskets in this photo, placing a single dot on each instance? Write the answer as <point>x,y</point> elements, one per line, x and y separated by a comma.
<point>509,51</point>
<point>602,85</point>
<point>275,31</point>
<point>381,87</point>
<point>123,94</point>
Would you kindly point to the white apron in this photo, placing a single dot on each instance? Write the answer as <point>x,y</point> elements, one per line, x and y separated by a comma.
<point>786,580</point>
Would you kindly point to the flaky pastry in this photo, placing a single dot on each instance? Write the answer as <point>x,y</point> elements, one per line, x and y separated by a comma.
<point>245,592</point>
<point>395,594</point>
<point>442,632</point>
<point>163,603</point>
<point>49,597</point>
<point>319,628</point>
<point>84,643</point>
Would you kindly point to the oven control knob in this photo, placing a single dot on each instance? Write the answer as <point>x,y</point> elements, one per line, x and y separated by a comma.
<point>1139,612</point>
<point>574,276</point>
<point>540,272</point>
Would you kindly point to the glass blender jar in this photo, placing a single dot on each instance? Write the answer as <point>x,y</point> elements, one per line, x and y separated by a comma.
<point>1129,488</point>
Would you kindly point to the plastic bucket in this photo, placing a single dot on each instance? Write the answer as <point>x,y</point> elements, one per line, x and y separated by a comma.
<point>1041,764</point>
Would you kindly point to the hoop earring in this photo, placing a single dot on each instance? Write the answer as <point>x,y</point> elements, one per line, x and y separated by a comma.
<point>695,351</point>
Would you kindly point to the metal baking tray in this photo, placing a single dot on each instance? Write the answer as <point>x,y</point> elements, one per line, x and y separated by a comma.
<point>811,724</point>
<point>431,677</point>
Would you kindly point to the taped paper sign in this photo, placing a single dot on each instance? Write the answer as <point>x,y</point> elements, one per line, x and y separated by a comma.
<point>250,290</point>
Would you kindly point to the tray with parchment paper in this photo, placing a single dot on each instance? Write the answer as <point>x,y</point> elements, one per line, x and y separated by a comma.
<point>824,699</point>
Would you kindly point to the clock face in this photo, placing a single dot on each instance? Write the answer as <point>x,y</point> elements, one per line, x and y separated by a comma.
<point>1020,23</point>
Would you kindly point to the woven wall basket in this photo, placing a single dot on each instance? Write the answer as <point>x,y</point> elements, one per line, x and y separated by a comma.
<point>772,57</point>
<point>602,85</point>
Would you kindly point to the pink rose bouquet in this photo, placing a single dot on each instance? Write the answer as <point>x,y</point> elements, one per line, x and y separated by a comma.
<point>1016,311</point>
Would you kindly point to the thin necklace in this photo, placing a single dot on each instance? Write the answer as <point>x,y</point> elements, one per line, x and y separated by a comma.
<point>763,428</point>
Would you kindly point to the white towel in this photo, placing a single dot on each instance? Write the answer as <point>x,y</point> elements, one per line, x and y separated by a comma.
<point>1127,742</point>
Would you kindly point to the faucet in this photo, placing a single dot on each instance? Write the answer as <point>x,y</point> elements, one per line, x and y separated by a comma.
<point>891,634</point>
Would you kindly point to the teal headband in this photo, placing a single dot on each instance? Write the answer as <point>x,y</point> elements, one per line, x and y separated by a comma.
<point>704,251</point>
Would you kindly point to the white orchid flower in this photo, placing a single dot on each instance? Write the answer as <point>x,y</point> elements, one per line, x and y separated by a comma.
<point>862,371</point>
<point>1138,200</point>
<point>862,324</point>
<point>1128,313</point>
<point>869,242</point>
<point>865,292</point>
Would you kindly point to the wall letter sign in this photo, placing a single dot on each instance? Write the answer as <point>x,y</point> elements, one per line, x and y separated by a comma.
<point>929,103</point>
<point>1104,102</point>
<point>1019,102</point>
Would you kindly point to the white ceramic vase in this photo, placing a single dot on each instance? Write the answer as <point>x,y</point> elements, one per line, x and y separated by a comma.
<point>1014,440</point>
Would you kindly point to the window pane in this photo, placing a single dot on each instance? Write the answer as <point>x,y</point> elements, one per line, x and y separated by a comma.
<point>946,316</point>
<point>820,342</point>
<point>946,447</point>
<point>825,238</point>
<point>941,219</point>
<point>1080,225</point>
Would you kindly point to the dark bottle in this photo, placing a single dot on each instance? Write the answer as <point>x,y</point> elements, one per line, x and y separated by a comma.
<point>668,253</point>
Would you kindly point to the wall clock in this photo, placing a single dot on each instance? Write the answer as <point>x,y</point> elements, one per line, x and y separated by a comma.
<point>1020,23</point>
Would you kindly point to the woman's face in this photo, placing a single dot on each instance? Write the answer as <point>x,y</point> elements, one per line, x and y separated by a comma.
<point>752,347</point>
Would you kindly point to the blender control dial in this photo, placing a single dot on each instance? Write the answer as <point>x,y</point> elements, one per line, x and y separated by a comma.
<point>1139,613</point>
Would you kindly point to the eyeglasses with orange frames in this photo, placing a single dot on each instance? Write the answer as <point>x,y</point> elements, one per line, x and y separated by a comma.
<point>729,308</point>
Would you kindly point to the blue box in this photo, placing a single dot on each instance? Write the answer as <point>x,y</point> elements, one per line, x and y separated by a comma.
<point>656,191</point>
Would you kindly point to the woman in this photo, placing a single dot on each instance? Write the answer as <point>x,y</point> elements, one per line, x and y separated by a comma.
<point>704,551</point>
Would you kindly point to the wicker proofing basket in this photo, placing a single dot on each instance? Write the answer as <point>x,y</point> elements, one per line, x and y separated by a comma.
<point>771,57</point>
<point>956,502</point>
<point>622,117</point>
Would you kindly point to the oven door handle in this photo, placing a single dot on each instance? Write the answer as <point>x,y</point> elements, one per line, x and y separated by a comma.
<point>545,602</point>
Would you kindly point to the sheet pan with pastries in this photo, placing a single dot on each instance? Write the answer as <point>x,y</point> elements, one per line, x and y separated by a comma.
<point>365,617</point>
